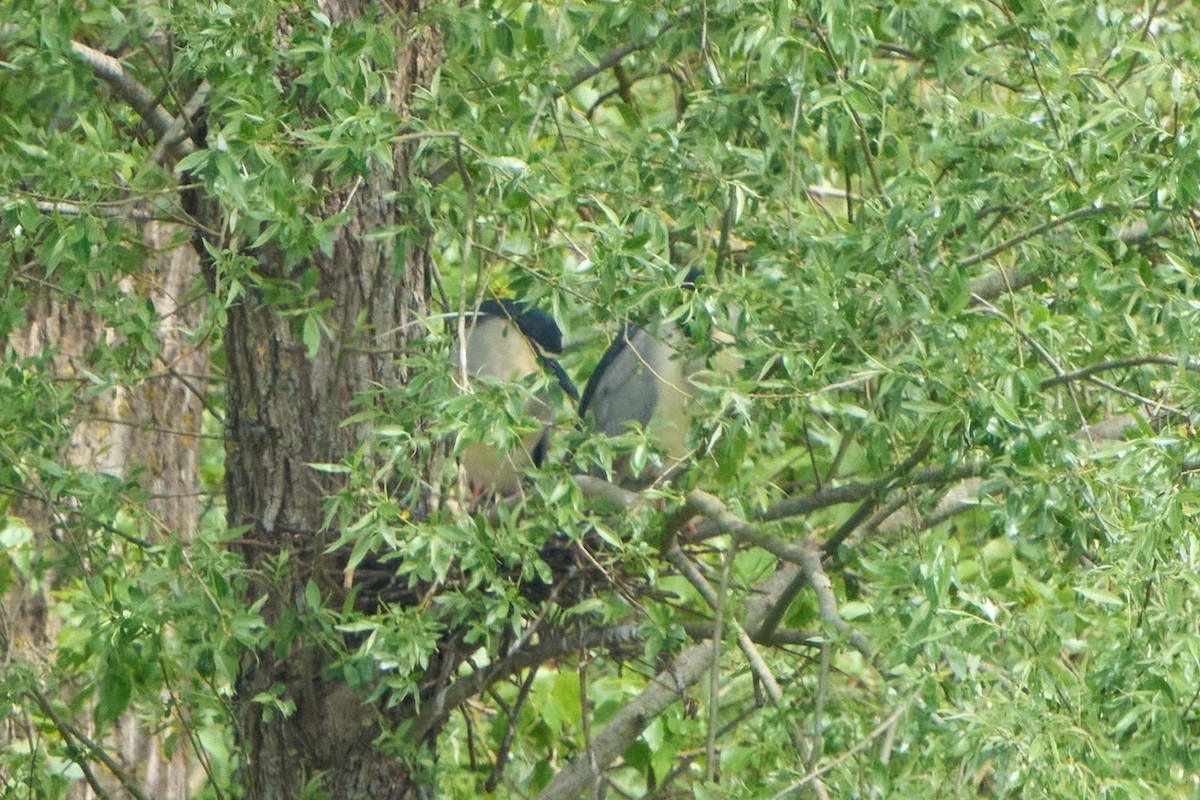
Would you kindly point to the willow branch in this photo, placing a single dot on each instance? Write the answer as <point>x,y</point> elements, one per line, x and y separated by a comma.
<point>859,491</point>
<point>1190,365</point>
<point>69,732</point>
<point>613,57</point>
<point>109,70</point>
<point>879,730</point>
<point>781,636</point>
<point>826,602</point>
<point>758,664</point>
<point>549,647</point>
<point>1071,216</point>
<point>688,667</point>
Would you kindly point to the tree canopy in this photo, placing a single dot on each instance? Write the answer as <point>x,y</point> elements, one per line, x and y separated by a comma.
<point>937,535</point>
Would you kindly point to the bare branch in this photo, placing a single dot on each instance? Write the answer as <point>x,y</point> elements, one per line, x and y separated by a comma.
<point>960,498</point>
<point>513,714</point>
<point>1157,405</point>
<point>782,636</point>
<point>123,210</point>
<point>857,492</point>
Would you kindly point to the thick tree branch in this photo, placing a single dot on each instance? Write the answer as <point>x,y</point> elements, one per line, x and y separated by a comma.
<point>628,723</point>
<point>139,97</point>
<point>124,210</point>
<point>1005,280</point>
<point>600,489</point>
<point>826,602</point>
<point>178,138</point>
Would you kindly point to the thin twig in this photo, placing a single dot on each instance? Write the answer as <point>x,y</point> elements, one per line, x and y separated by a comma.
<point>775,615</point>
<point>70,732</point>
<point>1038,230</point>
<point>1032,59</point>
<point>613,57</point>
<point>513,714</point>
<point>1191,365</point>
<point>192,736</point>
<point>758,664</point>
<point>879,729</point>
<point>861,129</point>
<point>858,491</point>
<point>714,671</point>
<point>1157,405</point>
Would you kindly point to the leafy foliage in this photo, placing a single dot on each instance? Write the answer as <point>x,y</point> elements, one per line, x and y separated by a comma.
<point>848,176</point>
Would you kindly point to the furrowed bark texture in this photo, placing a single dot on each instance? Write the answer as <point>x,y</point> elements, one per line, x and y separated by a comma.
<point>285,411</point>
<point>150,429</point>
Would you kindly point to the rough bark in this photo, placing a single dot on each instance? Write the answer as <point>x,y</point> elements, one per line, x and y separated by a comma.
<point>151,430</point>
<point>285,411</point>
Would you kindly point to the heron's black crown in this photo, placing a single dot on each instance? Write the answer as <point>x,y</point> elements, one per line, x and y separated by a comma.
<point>537,326</point>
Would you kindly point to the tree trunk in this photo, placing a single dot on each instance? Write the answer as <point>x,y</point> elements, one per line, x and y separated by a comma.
<point>151,429</point>
<point>285,411</point>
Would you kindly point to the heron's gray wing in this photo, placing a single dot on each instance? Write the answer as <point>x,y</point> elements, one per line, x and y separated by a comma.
<point>623,388</point>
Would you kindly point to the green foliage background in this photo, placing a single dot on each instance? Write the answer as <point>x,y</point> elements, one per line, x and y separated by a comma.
<point>844,173</point>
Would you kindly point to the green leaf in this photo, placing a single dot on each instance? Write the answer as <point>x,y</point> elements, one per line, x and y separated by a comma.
<point>312,335</point>
<point>115,692</point>
<point>1101,596</point>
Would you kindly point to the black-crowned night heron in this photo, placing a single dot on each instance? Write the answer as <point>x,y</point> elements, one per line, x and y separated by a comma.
<point>508,341</point>
<point>647,377</point>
